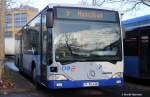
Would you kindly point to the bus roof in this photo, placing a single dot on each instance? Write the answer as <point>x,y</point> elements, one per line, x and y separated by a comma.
<point>137,19</point>
<point>137,27</point>
<point>78,5</point>
<point>136,23</point>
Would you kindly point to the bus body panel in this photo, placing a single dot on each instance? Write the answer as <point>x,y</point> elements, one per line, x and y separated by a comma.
<point>27,63</point>
<point>130,63</point>
<point>94,74</point>
<point>88,70</point>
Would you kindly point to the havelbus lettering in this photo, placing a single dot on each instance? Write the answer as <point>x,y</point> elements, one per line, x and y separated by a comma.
<point>90,14</point>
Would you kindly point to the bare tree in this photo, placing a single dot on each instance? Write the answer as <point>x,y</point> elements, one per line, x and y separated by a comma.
<point>16,3</point>
<point>146,2</point>
<point>9,4</point>
<point>84,2</point>
<point>121,5</point>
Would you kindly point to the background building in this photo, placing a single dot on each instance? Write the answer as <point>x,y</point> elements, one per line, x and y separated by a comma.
<point>15,19</point>
<point>18,17</point>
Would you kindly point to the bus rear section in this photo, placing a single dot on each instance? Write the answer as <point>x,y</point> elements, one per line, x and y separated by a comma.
<point>74,47</point>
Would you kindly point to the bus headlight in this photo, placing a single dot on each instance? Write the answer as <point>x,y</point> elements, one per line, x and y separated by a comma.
<point>57,77</point>
<point>117,75</point>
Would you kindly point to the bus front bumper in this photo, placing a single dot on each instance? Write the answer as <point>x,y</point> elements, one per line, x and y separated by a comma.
<point>58,84</point>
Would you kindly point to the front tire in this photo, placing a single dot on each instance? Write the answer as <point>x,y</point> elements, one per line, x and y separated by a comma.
<point>33,75</point>
<point>34,78</point>
<point>17,63</point>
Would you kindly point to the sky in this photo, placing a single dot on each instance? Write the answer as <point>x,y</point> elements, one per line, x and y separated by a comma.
<point>40,4</point>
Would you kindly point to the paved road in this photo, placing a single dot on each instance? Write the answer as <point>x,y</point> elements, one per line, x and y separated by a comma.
<point>129,90</point>
<point>64,93</point>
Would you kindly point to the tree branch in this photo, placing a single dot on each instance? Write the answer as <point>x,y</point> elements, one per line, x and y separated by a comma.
<point>123,5</point>
<point>145,2</point>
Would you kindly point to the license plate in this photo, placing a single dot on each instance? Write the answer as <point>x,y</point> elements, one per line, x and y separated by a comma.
<point>89,84</point>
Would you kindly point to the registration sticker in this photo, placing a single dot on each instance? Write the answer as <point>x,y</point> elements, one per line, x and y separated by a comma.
<point>89,84</point>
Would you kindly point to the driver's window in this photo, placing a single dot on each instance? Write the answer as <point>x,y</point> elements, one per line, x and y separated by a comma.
<point>46,42</point>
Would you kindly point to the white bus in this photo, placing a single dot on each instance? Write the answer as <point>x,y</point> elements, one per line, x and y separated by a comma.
<point>72,47</point>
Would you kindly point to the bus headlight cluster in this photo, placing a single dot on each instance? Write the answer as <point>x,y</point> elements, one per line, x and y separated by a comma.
<point>57,77</point>
<point>117,75</point>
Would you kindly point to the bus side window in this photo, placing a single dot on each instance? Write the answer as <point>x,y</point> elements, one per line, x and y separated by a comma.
<point>49,46</point>
<point>31,37</point>
<point>46,43</point>
<point>131,44</point>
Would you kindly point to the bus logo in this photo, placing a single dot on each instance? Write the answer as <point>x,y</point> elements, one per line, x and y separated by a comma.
<point>69,68</point>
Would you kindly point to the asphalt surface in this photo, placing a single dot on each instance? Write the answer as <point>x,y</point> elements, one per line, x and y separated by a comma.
<point>129,89</point>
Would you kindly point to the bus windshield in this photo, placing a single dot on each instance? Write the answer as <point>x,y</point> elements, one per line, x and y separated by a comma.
<point>86,40</point>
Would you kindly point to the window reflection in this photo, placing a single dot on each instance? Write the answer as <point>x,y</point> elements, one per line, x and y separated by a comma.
<point>86,40</point>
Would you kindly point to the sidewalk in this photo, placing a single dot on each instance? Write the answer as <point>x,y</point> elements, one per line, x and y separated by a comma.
<point>1,68</point>
<point>14,82</point>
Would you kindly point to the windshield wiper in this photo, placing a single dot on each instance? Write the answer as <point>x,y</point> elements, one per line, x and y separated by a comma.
<point>112,44</point>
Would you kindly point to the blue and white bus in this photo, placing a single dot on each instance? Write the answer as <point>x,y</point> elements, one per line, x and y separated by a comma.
<point>72,47</point>
<point>137,47</point>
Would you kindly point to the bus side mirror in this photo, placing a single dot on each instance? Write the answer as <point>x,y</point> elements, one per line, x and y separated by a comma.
<point>49,19</point>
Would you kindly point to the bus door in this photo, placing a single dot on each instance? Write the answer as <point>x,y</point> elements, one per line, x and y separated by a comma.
<point>43,66</point>
<point>44,58</point>
<point>144,54</point>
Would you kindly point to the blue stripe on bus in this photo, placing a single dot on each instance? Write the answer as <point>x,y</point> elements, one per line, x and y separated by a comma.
<point>52,84</point>
<point>131,66</point>
<point>137,19</point>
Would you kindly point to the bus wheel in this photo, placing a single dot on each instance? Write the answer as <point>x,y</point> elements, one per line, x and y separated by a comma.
<point>34,78</point>
<point>17,63</point>
<point>19,67</point>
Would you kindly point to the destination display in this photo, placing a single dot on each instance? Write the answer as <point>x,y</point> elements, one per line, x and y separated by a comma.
<point>85,14</point>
